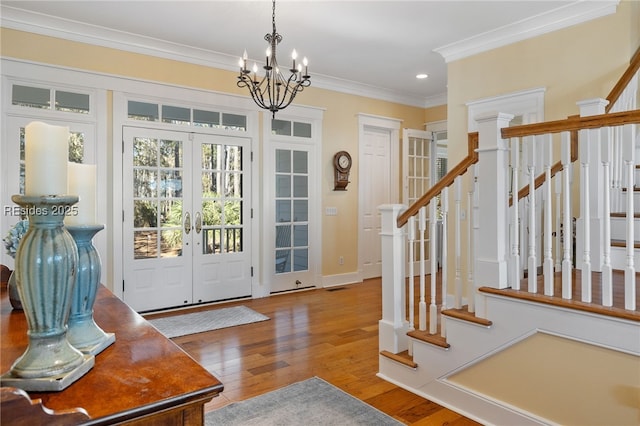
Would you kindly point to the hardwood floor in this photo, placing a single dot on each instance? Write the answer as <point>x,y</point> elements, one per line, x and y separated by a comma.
<point>329,333</point>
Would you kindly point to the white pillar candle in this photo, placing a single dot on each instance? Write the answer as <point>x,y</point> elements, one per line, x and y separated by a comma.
<point>46,153</point>
<point>82,182</point>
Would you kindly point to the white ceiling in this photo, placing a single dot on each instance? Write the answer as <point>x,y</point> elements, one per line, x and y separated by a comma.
<point>374,48</point>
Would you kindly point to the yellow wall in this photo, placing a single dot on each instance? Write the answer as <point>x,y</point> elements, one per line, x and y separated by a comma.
<point>573,64</point>
<point>340,128</point>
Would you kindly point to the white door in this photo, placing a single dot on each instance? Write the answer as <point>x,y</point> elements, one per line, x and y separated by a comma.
<point>293,207</point>
<point>375,186</point>
<point>184,220</point>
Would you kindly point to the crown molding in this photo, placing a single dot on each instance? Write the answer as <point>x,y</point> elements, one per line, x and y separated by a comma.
<point>37,23</point>
<point>563,17</point>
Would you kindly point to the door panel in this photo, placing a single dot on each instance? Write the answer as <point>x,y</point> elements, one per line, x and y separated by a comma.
<point>157,256</point>
<point>222,261</point>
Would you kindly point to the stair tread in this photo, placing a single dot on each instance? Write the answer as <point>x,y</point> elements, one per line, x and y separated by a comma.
<point>464,314</point>
<point>434,339</point>
<point>623,243</point>
<point>623,214</point>
<point>564,303</point>
<point>402,357</point>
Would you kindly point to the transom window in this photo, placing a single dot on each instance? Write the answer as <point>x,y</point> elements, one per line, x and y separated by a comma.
<point>51,99</point>
<point>290,128</point>
<point>180,115</point>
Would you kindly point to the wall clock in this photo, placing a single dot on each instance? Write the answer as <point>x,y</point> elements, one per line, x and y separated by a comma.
<point>342,165</point>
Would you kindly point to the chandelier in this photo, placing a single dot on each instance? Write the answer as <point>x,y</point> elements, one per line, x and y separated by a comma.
<point>274,91</point>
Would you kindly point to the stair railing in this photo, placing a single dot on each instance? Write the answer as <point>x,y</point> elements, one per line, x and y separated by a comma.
<point>597,132</point>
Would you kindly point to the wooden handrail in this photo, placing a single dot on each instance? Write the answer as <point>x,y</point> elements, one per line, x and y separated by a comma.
<point>617,90</point>
<point>459,169</point>
<point>574,122</point>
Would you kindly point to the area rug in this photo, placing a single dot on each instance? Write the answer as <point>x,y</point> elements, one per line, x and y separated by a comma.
<point>198,322</point>
<point>310,402</point>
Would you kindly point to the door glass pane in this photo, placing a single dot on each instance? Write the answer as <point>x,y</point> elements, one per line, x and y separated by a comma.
<point>203,118</point>
<point>300,259</point>
<point>300,163</point>
<point>283,186</point>
<point>283,248</point>
<point>292,211</point>
<point>281,127</point>
<point>234,121</point>
<point>176,115</point>
<point>302,130</point>
<point>142,111</point>
<point>300,186</point>
<point>157,191</point>
<point>32,97</point>
<point>283,211</point>
<point>222,198</point>
<point>72,102</point>
<point>283,161</point>
<point>300,211</point>
<point>300,235</point>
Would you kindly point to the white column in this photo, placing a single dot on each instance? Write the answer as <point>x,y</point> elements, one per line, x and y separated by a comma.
<point>492,243</point>
<point>596,184</point>
<point>393,326</point>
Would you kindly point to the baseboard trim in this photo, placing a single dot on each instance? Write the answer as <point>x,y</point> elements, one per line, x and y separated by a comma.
<point>341,279</point>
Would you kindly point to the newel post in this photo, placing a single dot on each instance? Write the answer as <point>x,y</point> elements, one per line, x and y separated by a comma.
<point>491,245</point>
<point>393,326</point>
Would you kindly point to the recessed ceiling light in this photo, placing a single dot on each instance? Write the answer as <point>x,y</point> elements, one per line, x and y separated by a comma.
<point>421,76</point>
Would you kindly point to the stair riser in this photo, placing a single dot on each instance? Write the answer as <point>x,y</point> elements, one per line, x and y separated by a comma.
<point>619,258</point>
<point>619,228</point>
<point>636,200</point>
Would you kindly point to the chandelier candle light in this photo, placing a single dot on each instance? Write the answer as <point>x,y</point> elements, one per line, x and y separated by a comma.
<point>274,91</point>
<point>46,267</point>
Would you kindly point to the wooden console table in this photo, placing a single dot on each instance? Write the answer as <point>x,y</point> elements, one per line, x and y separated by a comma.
<point>143,378</point>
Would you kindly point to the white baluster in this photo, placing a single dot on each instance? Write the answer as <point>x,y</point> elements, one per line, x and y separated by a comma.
<point>515,215</point>
<point>586,215</point>
<point>532,260</point>
<point>629,270</point>
<point>476,235</point>
<point>616,171</point>
<point>607,272</point>
<point>567,225</point>
<point>433,307</point>
<point>547,267</point>
<point>471,291</point>
<point>558,245</point>
<point>445,248</point>
<point>411,226</point>
<point>458,281</point>
<point>422,305</point>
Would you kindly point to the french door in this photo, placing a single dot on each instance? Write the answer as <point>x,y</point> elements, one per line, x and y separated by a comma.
<point>293,208</point>
<point>186,218</point>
